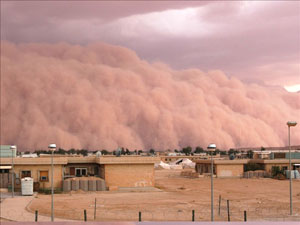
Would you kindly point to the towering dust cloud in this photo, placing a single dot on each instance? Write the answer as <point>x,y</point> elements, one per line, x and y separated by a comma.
<point>102,96</point>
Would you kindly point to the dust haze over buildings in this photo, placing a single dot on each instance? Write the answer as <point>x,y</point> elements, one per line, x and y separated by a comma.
<point>105,96</point>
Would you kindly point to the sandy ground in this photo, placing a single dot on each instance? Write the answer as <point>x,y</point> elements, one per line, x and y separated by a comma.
<point>263,199</point>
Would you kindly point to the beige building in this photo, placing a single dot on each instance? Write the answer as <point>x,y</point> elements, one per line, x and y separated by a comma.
<point>221,168</point>
<point>281,163</point>
<point>124,171</point>
<point>128,171</point>
<point>235,168</point>
<point>37,168</point>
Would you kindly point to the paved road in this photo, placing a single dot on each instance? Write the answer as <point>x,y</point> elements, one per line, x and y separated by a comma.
<point>14,209</point>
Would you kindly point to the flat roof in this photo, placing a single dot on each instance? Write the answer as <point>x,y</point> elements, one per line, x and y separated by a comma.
<point>222,161</point>
<point>89,159</point>
<point>82,159</point>
<point>245,161</point>
<point>276,161</point>
<point>180,156</point>
<point>34,161</point>
<point>128,160</point>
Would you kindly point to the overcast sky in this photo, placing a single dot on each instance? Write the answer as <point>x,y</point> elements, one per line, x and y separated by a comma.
<point>256,41</point>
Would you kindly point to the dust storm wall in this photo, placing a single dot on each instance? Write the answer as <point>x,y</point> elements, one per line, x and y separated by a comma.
<point>101,96</point>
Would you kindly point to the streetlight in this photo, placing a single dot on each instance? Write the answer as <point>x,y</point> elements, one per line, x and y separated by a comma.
<point>212,148</point>
<point>290,124</point>
<point>13,150</point>
<point>52,148</point>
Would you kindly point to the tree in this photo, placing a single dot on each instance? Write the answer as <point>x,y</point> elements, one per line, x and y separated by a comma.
<point>140,152</point>
<point>123,151</point>
<point>262,148</point>
<point>83,152</point>
<point>104,152</point>
<point>223,152</point>
<point>198,149</point>
<point>61,151</point>
<point>127,151</point>
<point>250,154</point>
<point>152,151</point>
<point>217,151</point>
<point>187,150</point>
<point>231,151</point>
<point>38,152</point>
<point>72,151</point>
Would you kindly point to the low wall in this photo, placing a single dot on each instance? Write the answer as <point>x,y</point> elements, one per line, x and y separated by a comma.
<point>84,185</point>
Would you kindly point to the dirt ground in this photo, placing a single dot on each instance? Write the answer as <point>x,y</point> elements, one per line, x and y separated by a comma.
<point>263,199</point>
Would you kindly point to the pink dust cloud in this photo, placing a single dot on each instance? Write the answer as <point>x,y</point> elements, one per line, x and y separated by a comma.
<point>101,96</point>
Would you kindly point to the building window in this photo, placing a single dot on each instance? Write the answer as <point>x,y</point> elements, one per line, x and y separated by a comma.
<point>80,172</point>
<point>25,173</point>
<point>44,176</point>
